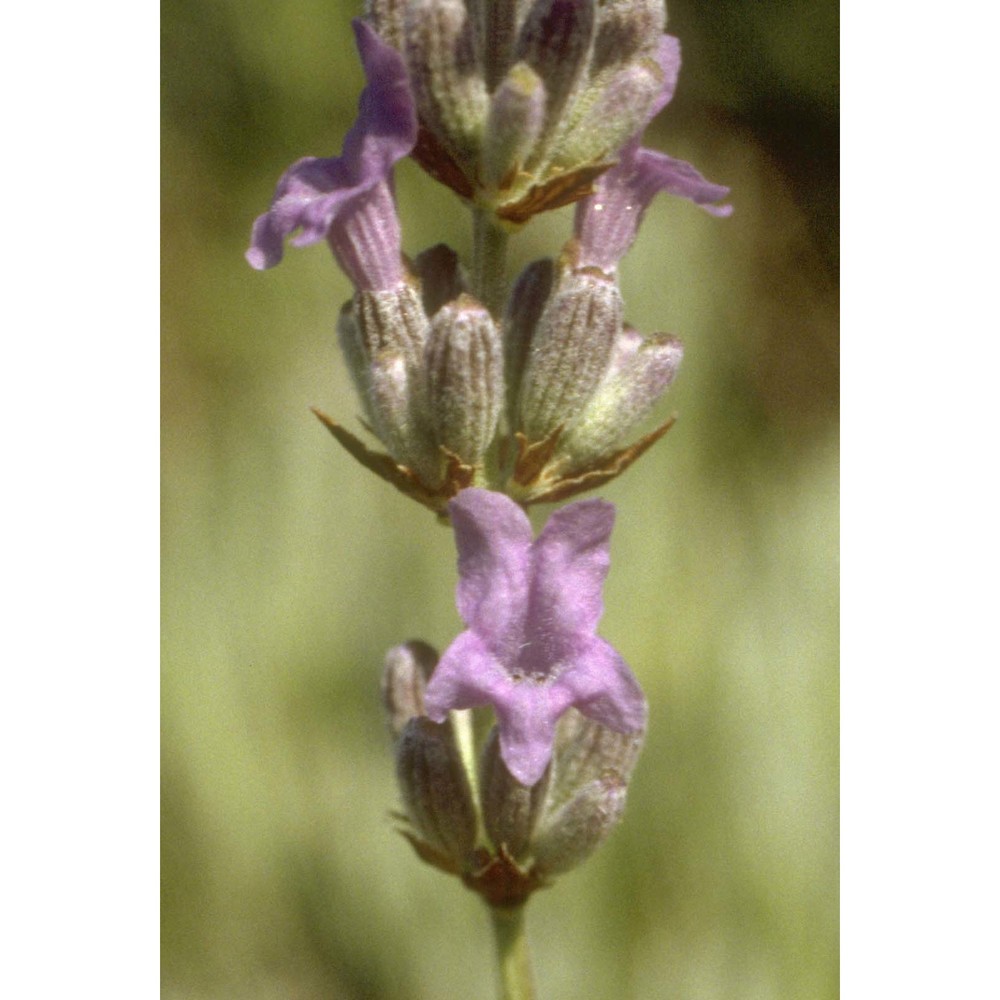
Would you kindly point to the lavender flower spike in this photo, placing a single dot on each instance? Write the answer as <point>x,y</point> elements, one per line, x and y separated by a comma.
<point>347,199</point>
<point>607,221</point>
<point>532,609</point>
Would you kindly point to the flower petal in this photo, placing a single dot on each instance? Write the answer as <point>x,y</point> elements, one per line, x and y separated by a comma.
<point>658,172</point>
<point>607,221</point>
<point>313,191</point>
<point>366,239</point>
<point>526,721</point>
<point>466,676</point>
<point>601,686</point>
<point>570,561</point>
<point>493,535</point>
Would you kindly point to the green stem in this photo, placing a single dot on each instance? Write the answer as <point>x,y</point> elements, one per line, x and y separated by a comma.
<point>489,259</point>
<point>512,953</point>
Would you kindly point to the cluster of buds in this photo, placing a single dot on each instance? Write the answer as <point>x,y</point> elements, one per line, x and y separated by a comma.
<point>426,359</point>
<point>523,104</point>
<point>437,376</point>
<point>519,107</point>
<point>579,380</point>
<point>467,815</point>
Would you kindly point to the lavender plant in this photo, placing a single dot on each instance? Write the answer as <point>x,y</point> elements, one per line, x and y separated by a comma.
<point>514,748</point>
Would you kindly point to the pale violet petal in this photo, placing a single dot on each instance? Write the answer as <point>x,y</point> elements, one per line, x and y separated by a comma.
<point>601,686</point>
<point>314,194</point>
<point>607,221</point>
<point>466,676</point>
<point>570,561</point>
<point>526,720</point>
<point>493,535</point>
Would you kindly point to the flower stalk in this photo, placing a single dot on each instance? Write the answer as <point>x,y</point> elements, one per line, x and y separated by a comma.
<point>513,957</point>
<point>489,259</point>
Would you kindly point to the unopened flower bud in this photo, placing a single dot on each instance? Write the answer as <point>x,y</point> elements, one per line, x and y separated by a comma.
<point>448,87</point>
<point>627,30</point>
<point>572,833</point>
<point>465,378</point>
<point>587,791</point>
<point>387,17</point>
<point>639,373</point>
<point>609,114</point>
<point>384,382</point>
<point>516,116</point>
<point>496,30</point>
<point>586,749</point>
<point>556,43</point>
<point>524,308</point>
<point>356,356</point>
<point>436,791</point>
<point>391,402</point>
<point>383,337</point>
<point>441,276</point>
<point>510,809</point>
<point>569,351</point>
<point>407,669</point>
<point>393,319</point>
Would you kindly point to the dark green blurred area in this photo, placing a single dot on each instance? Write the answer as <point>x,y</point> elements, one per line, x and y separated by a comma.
<point>288,570</point>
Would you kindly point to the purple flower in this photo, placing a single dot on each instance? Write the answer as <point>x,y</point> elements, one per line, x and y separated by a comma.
<point>607,221</point>
<point>532,608</point>
<point>347,199</point>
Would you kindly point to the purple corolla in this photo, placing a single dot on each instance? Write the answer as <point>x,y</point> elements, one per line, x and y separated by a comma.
<point>607,221</point>
<point>532,608</point>
<point>347,199</point>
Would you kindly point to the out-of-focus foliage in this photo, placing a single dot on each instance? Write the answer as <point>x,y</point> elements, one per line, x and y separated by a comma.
<point>288,570</point>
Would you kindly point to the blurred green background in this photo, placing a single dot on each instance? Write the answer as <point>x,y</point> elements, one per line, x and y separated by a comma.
<point>288,570</point>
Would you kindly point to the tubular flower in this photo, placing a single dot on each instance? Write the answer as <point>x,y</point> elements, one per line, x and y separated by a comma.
<point>532,609</point>
<point>607,221</point>
<point>347,199</point>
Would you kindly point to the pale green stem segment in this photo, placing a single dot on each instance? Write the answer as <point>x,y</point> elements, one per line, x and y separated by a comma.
<point>465,737</point>
<point>489,260</point>
<point>512,953</point>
